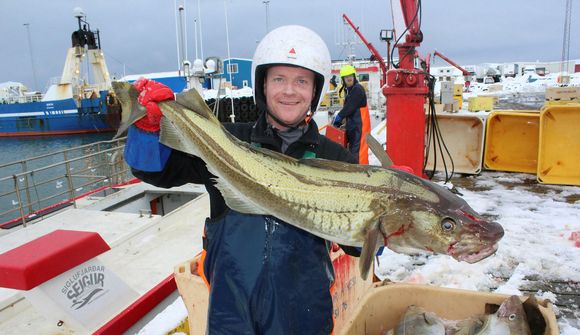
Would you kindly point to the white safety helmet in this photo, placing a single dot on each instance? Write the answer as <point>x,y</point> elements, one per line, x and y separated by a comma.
<point>292,45</point>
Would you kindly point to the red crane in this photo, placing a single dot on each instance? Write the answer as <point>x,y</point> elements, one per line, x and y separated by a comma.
<point>465,73</point>
<point>406,91</point>
<point>371,48</point>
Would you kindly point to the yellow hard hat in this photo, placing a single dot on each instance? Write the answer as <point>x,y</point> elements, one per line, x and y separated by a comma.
<point>347,70</point>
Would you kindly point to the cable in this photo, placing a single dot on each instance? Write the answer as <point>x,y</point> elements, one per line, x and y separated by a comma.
<point>216,107</point>
<point>435,137</point>
<point>403,34</point>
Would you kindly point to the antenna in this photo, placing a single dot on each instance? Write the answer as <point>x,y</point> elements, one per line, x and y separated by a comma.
<point>182,52</point>
<point>233,115</point>
<point>27,25</point>
<point>565,66</point>
<point>267,5</point>
<point>177,35</point>
<point>346,39</point>
<point>200,30</point>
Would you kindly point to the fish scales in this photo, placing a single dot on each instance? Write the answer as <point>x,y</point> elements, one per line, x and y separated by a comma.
<point>337,199</point>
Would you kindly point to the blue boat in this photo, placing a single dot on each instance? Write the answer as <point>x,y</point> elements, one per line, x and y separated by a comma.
<point>71,105</point>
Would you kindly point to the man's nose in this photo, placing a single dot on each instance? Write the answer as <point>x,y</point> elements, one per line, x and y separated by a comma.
<point>289,88</point>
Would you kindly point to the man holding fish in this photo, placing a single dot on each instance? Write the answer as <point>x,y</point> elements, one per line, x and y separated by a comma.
<point>265,276</point>
<point>266,256</point>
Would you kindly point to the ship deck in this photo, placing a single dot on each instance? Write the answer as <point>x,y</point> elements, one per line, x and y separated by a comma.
<point>144,249</point>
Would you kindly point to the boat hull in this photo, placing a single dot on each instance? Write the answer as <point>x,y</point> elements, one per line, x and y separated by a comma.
<point>59,117</point>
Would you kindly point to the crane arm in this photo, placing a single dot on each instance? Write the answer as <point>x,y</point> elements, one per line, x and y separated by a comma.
<point>406,21</point>
<point>371,48</point>
<point>463,71</point>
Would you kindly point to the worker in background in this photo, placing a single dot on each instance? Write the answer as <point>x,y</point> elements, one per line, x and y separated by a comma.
<point>356,114</point>
<point>264,276</point>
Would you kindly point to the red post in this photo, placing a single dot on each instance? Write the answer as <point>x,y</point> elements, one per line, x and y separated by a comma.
<point>406,92</point>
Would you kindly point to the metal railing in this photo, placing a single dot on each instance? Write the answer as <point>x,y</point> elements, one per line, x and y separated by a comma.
<point>37,186</point>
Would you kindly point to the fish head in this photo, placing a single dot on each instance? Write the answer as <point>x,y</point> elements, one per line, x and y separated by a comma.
<point>432,218</point>
<point>511,312</point>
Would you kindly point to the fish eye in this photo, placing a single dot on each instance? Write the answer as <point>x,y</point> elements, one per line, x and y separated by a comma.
<point>447,225</point>
<point>512,317</point>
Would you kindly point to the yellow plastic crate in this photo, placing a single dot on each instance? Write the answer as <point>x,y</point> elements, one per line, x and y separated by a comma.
<point>463,136</point>
<point>480,104</point>
<point>511,142</point>
<point>559,145</point>
<point>459,100</point>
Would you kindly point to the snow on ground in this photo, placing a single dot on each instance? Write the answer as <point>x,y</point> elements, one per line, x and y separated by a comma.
<point>538,221</point>
<point>537,227</point>
<point>227,93</point>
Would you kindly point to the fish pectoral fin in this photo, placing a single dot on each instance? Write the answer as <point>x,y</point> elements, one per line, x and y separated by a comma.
<point>369,249</point>
<point>378,151</point>
<point>235,200</point>
<point>171,137</point>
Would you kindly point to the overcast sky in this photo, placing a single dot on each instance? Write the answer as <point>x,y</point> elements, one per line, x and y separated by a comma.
<point>139,36</point>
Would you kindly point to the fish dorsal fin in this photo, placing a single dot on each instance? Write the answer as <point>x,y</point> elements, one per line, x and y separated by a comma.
<point>378,151</point>
<point>131,111</point>
<point>370,246</point>
<point>333,165</point>
<point>430,318</point>
<point>192,100</point>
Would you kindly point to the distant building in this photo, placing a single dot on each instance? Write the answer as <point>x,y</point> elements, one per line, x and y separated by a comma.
<point>173,79</point>
<point>240,70</point>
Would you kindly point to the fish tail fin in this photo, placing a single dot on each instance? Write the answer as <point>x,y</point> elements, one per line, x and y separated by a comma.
<point>369,250</point>
<point>131,110</point>
<point>193,101</point>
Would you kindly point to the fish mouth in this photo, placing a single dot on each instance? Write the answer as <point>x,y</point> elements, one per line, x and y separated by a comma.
<point>478,241</point>
<point>472,256</point>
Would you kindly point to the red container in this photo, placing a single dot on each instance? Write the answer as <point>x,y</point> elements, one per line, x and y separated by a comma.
<point>336,134</point>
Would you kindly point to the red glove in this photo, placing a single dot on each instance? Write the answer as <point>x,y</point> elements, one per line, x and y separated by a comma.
<point>152,92</point>
<point>402,168</point>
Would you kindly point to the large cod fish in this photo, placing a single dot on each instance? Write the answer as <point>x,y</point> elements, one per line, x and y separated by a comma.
<point>354,205</point>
